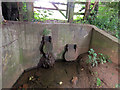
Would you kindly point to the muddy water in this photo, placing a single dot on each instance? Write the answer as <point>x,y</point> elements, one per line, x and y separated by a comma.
<point>61,72</point>
<point>61,75</point>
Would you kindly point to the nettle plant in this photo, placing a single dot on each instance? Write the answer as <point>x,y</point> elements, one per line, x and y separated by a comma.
<point>94,59</point>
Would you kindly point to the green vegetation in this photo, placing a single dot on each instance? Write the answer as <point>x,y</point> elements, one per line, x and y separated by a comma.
<point>46,32</point>
<point>24,8</point>
<point>103,58</point>
<point>112,73</point>
<point>105,18</point>
<point>39,15</point>
<point>42,15</point>
<point>117,86</point>
<point>94,59</point>
<point>98,82</point>
<point>96,73</point>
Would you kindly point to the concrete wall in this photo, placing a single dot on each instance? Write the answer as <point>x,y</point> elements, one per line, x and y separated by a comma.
<point>105,43</point>
<point>20,44</point>
<point>0,45</point>
<point>21,40</point>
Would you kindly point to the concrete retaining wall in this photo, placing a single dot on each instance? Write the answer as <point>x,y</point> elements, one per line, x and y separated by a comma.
<point>105,43</point>
<point>21,40</point>
<point>20,44</point>
<point>0,45</point>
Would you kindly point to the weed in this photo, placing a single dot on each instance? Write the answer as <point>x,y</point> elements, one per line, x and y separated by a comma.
<point>96,73</point>
<point>94,58</point>
<point>46,32</point>
<point>98,82</point>
<point>103,58</point>
<point>117,86</point>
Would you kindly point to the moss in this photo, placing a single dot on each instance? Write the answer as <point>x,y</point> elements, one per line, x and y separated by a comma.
<point>46,32</point>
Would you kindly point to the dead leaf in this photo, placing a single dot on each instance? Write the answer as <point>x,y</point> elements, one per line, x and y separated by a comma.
<point>74,80</point>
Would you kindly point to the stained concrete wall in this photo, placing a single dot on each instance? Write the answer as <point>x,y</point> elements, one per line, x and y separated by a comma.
<point>0,46</point>
<point>105,43</point>
<point>21,40</point>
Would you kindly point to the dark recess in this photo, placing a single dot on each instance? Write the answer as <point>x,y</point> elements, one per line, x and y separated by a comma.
<point>10,11</point>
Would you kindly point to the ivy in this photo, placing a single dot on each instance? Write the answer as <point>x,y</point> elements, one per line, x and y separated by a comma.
<point>105,19</point>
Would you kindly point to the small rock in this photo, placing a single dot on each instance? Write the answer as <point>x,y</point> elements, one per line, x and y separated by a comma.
<point>60,82</point>
<point>82,69</point>
<point>30,78</point>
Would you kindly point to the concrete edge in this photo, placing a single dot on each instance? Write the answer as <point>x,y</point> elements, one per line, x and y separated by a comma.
<point>113,38</point>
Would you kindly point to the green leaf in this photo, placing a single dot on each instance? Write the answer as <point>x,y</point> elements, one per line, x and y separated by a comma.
<point>98,82</point>
<point>50,13</point>
<point>117,86</point>
<point>104,61</point>
<point>45,11</point>
<point>90,57</point>
<point>46,32</point>
<point>95,54</point>
<point>109,61</point>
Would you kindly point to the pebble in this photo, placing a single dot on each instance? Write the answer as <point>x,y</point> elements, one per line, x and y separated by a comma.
<point>60,82</point>
<point>82,69</point>
<point>30,78</point>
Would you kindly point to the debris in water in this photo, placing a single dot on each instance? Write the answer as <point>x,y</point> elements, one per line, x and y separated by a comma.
<point>74,80</point>
<point>60,82</point>
<point>82,69</point>
<point>30,78</point>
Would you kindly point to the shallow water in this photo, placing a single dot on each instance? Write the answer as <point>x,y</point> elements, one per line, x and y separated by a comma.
<point>61,72</point>
<point>64,71</point>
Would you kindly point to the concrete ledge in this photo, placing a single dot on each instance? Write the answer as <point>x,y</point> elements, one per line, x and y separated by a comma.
<point>106,34</point>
